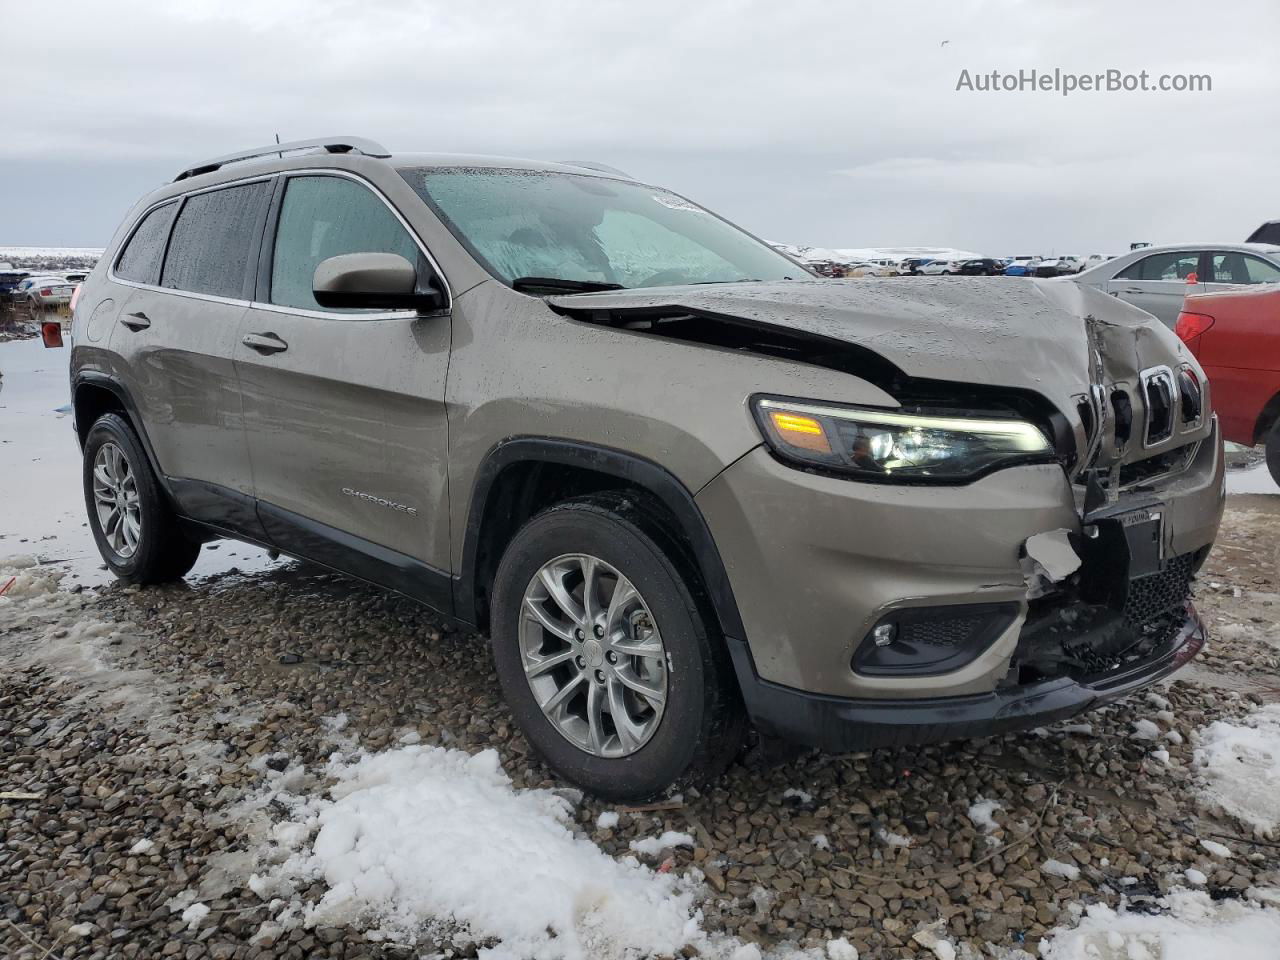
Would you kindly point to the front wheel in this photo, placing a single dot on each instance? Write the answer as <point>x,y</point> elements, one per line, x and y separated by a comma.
<point>606,660</point>
<point>135,529</point>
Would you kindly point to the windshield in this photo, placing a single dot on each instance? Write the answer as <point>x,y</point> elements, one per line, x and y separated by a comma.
<point>524,224</point>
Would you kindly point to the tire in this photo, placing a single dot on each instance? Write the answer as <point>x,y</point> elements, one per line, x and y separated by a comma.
<point>702,722</point>
<point>153,549</point>
<point>1271,446</point>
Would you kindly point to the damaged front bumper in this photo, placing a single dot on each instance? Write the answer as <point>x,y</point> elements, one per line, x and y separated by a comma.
<point>976,639</point>
<point>839,724</point>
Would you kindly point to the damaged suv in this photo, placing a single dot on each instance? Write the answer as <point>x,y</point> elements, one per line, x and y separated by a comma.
<point>681,483</point>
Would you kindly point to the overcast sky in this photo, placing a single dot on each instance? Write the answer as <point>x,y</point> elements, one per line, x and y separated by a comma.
<point>830,124</point>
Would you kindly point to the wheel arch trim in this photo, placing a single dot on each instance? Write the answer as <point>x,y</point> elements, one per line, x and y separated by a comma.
<point>636,471</point>
<point>112,385</point>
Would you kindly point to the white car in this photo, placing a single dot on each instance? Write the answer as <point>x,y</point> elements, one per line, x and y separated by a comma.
<point>40,293</point>
<point>1158,278</point>
<point>940,267</point>
<point>872,270</point>
<point>1097,258</point>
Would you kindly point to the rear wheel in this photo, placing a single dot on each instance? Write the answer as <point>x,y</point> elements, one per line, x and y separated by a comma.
<point>136,531</point>
<point>1271,445</point>
<point>613,673</point>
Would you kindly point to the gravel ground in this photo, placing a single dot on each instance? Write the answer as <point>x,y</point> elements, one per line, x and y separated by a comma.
<point>132,715</point>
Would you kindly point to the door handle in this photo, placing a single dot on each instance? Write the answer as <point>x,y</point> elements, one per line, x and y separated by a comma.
<point>136,321</point>
<point>264,342</point>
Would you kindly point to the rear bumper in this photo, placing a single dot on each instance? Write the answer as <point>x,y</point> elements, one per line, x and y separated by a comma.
<point>840,724</point>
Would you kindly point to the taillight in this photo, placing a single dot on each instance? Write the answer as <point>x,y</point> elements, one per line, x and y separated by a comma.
<point>46,292</point>
<point>1192,325</point>
<point>51,333</point>
<point>75,297</point>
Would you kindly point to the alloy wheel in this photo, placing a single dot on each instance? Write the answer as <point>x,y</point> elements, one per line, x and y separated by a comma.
<point>115,500</point>
<point>593,655</point>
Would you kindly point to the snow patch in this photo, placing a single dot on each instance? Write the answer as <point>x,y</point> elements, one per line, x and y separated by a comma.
<point>1191,927</point>
<point>652,846</point>
<point>422,838</point>
<point>893,839</point>
<point>1145,730</point>
<point>1217,849</point>
<point>194,915</point>
<point>1056,868</point>
<point>1240,766</point>
<point>607,820</point>
<point>980,812</point>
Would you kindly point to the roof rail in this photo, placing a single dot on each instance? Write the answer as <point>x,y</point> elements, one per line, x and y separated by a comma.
<point>368,148</point>
<point>597,167</point>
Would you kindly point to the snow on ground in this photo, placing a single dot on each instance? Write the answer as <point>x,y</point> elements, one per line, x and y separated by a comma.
<point>72,253</point>
<point>1192,926</point>
<point>1255,479</point>
<point>1240,764</point>
<point>980,812</point>
<point>420,834</point>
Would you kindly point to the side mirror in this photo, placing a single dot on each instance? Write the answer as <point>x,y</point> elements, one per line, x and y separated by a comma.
<point>372,281</point>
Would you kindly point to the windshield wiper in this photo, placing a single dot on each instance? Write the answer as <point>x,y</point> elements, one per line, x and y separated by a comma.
<point>560,285</point>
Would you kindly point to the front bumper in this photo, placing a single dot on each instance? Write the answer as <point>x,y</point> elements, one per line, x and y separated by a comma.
<point>816,562</point>
<point>838,724</point>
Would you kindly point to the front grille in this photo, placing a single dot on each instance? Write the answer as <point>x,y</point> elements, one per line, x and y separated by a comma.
<point>1159,390</point>
<point>1152,598</point>
<point>1066,635</point>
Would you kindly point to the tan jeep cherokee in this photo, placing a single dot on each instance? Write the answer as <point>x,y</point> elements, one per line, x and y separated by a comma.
<point>678,480</point>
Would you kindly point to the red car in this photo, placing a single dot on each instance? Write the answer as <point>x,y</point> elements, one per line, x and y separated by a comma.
<point>1235,334</point>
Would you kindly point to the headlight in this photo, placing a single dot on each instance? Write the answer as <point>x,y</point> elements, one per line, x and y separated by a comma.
<point>877,444</point>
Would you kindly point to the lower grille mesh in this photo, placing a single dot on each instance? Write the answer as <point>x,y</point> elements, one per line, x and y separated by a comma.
<point>948,632</point>
<point>1152,598</point>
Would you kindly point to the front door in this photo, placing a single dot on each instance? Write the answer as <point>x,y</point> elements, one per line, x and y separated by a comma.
<point>344,409</point>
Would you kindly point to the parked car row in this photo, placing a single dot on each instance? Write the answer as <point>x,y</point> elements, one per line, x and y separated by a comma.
<point>1020,266</point>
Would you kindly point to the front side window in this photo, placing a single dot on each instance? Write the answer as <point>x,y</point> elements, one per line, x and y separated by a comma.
<point>324,217</point>
<point>524,224</point>
<point>1173,266</point>
<point>212,238</point>
<point>140,259</point>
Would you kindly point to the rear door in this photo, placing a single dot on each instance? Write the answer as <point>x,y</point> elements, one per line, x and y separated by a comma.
<point>345,409</point>
<point>177,334</point>
<point>1159,283</point>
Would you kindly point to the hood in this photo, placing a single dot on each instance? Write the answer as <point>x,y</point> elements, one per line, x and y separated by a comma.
<point>1055,338</point>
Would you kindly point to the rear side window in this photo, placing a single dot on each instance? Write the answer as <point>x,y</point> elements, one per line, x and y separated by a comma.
<point>212,240</point>
<point>1242,268</point>
<point>324,217</point>
<point>1177,265</point>
<point>140,259</point>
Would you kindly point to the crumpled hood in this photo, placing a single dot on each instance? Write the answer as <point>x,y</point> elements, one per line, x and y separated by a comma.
<point>1011,332</point>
